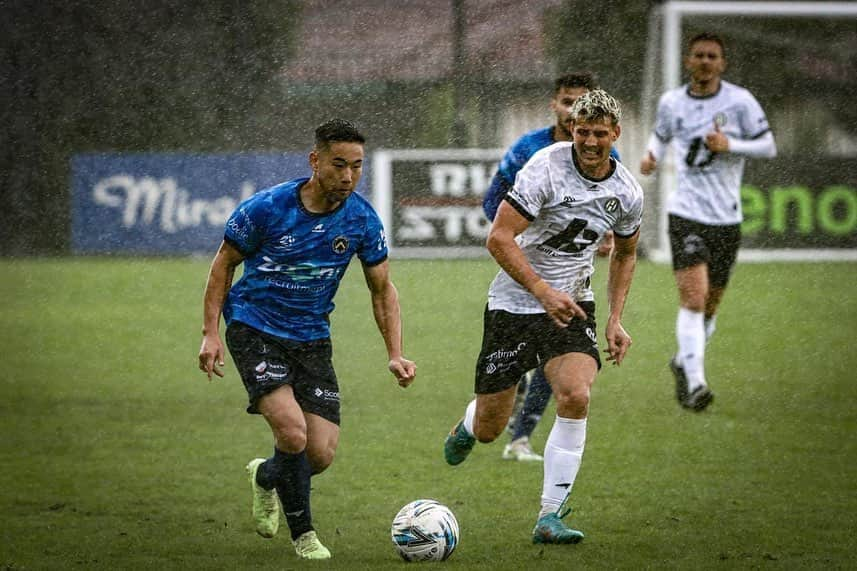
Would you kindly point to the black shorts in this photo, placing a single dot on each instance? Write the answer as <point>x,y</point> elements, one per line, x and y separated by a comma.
<point>266,363</point>
<point>514,343</point>
<point>694,243</point>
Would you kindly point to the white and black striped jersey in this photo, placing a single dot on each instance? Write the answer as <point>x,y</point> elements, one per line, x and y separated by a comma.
<point>569,215</point>
<point>709,184</point>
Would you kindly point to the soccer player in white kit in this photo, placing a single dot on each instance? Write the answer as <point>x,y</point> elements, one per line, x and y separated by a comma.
<point>541,309</point>
<point>713,125</point>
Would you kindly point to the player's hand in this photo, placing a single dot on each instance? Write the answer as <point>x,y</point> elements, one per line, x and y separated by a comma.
<point>648,164</point>
<point>404,370</point>
<point>618,342</point>
<point>211,356</point>
<point>716,141</point>
<point>559,306</point>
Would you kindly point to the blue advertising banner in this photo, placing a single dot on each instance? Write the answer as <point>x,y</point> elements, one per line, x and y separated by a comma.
<point>170,204</point>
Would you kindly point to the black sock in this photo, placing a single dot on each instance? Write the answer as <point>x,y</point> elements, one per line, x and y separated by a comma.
<point>291,475</point>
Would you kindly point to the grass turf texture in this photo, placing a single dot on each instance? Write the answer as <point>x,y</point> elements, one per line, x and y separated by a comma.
<point>118,454</point>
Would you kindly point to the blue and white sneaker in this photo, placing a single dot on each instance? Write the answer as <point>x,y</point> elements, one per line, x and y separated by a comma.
<point>458,444</point>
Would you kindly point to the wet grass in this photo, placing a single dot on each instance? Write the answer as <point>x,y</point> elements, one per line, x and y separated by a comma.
<point>118,454</point>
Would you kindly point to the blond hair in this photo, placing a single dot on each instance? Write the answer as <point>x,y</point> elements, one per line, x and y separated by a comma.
<point>596,104</point>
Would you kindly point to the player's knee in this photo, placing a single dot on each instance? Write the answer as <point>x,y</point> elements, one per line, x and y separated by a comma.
<point>319,460</point>
<point>487,431</point>
<point>291,439</point>
<point>573,401</point>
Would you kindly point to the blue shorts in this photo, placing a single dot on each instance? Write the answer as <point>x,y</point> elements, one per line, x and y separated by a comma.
<point>266,363</point>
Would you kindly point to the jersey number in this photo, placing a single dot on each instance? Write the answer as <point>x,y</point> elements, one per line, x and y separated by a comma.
<point>698,150</point>
<point>565,240</point>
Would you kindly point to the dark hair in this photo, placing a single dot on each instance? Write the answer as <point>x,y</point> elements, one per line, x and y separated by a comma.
<point>707,37</point>
<point>580,79</point>
<point>337,131</point>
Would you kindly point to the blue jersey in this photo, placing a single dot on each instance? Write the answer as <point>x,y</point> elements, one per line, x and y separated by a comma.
<point>294,259</point>
<point>513,161</point>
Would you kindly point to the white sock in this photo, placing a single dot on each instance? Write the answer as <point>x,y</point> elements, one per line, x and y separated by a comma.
<point>710,327</point>
<point>563,454</point>
<point>690,332</point>
<point>469,416</point>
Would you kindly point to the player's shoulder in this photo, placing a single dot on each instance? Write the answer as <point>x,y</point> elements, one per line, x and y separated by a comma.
<point>277,194</point>
<point>559,151</point>
<point>627,181</point>
<point>358,202</point>
<point>674,95</point>
<point>735,92</point>
<point>532,141</point>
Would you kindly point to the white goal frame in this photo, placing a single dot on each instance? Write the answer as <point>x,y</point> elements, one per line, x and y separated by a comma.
<point>672,13</point>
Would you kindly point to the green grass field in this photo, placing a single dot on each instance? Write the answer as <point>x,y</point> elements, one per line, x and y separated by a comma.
<point>117,453</point>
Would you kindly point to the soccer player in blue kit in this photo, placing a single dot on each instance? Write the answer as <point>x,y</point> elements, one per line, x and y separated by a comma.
<point>533,389</point>
<point>296,240</point>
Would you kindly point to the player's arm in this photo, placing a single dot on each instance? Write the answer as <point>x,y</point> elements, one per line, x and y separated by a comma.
<point>497,190</point>
<point>220,276</point>
<point>654,151</point>
<point>623,261</point>
<point>505,250</point>
<point>388,317</point>
<point>761,146</point>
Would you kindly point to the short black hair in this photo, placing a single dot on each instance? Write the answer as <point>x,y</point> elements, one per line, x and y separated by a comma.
<point>337,131</point>
<point>578,79</point>
<point>707,37</point>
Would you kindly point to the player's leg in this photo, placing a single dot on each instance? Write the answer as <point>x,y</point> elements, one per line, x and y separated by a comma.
<point>288,471</point>
<point>322,441</point>
<point>571,377</point>
<point>498,369</point>
<point>250,348</point>
<point>691,257</point>
<point>724,242</point>
<point>484,419</point>
<point>526,419</point>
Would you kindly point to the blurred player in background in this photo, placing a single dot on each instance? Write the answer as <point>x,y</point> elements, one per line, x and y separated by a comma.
<point>541,309</point>
<point>296,241</point>
<point>713,126</point>
<point>533,390</point>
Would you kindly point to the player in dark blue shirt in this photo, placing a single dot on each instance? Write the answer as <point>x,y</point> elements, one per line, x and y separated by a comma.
<point>296,241</point>
<point>533,390</point>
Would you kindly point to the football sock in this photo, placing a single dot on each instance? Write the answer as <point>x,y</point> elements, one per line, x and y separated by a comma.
<point>535,403</point>
<point>563,454</point>
<point>710,327</point>
<point>270,471</point>
<point>690,332</point>
<point>293,475</point>
<point>469,416</point>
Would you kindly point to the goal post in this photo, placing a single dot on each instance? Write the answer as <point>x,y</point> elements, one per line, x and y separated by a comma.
<point>802,207</point>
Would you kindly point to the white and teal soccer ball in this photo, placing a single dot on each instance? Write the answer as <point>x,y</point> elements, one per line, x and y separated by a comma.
<point>425,530</point>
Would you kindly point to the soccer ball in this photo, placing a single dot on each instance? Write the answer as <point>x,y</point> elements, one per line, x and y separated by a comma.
<point>425,530</point>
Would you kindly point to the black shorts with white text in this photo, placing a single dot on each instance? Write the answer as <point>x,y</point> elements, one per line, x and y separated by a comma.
<point>266,363</point>
<point>514,343</point>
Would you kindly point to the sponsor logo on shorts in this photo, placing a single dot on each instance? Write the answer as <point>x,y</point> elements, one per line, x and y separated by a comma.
<point>326,394</point>
<point>591,334</point>
<point>693,244</point>
<point>271,371</point>
<point>502,360</point>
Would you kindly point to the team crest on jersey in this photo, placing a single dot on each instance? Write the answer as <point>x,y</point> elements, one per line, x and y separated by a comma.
<point>612,205</point>
<point>339,244</point>
<point>720,119</point>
